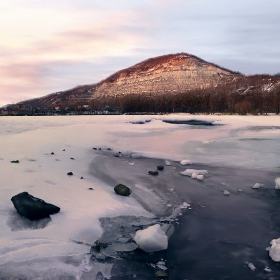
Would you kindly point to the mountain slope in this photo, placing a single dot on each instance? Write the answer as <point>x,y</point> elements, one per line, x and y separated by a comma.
<point>168,73</point>
<point>171,73</point>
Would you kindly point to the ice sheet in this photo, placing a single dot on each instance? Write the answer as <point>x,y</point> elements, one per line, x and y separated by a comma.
<point>247,141</point>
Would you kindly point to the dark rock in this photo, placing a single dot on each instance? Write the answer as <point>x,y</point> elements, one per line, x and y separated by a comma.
<point>91,189</point>
<point>109,149</point>
<point>32,207</point>
<point>94,148</point>
<point>160,167</point>
<point>72,158</point>
<point>63,150</point>
<point>82,177</point>
<point>52,153</point>
<point>15,161</point>
<point>123,190</point>
<point>154,173</point>
<point>138,122</point>
<point>99,149</point>
<point>100,245</point>
<point>70,173</point>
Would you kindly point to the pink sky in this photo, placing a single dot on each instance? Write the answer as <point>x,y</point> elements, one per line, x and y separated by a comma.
<point>49,46</point>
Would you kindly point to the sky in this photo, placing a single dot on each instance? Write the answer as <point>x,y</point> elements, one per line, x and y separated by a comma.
<point>54,45</point>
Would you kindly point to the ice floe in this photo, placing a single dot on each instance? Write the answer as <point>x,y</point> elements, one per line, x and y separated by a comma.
<point>256,186</point>
<point>226,192</point>
<point>251,266</point>
<point>189,172</point>
<point>168,163</point>
<point>151,239</point>
<point>274,250</point>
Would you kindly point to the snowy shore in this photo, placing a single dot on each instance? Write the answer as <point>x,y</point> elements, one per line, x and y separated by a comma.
<point>244,142</point>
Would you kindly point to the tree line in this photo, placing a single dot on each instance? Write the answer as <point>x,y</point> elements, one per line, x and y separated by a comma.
<point>258,94</point>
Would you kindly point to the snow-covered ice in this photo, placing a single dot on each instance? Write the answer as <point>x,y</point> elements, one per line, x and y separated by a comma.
<point>71,232</point>
<point>151,239</point>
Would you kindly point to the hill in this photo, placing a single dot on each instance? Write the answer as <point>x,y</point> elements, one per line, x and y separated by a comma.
<point>178,78</point>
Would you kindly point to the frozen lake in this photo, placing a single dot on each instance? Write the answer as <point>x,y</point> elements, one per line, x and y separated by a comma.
<point>218,236</point>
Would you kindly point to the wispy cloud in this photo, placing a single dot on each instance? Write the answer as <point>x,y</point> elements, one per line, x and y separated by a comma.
<point>54,45</point>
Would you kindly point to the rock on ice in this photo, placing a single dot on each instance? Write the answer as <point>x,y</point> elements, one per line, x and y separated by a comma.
<point>277,182</point>
<point>274,251</point>
<point>185,162</point>
<point>151,239</point>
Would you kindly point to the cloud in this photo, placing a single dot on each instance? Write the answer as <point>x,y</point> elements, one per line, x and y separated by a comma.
<point>51,43</point>
<point>54,45</point>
